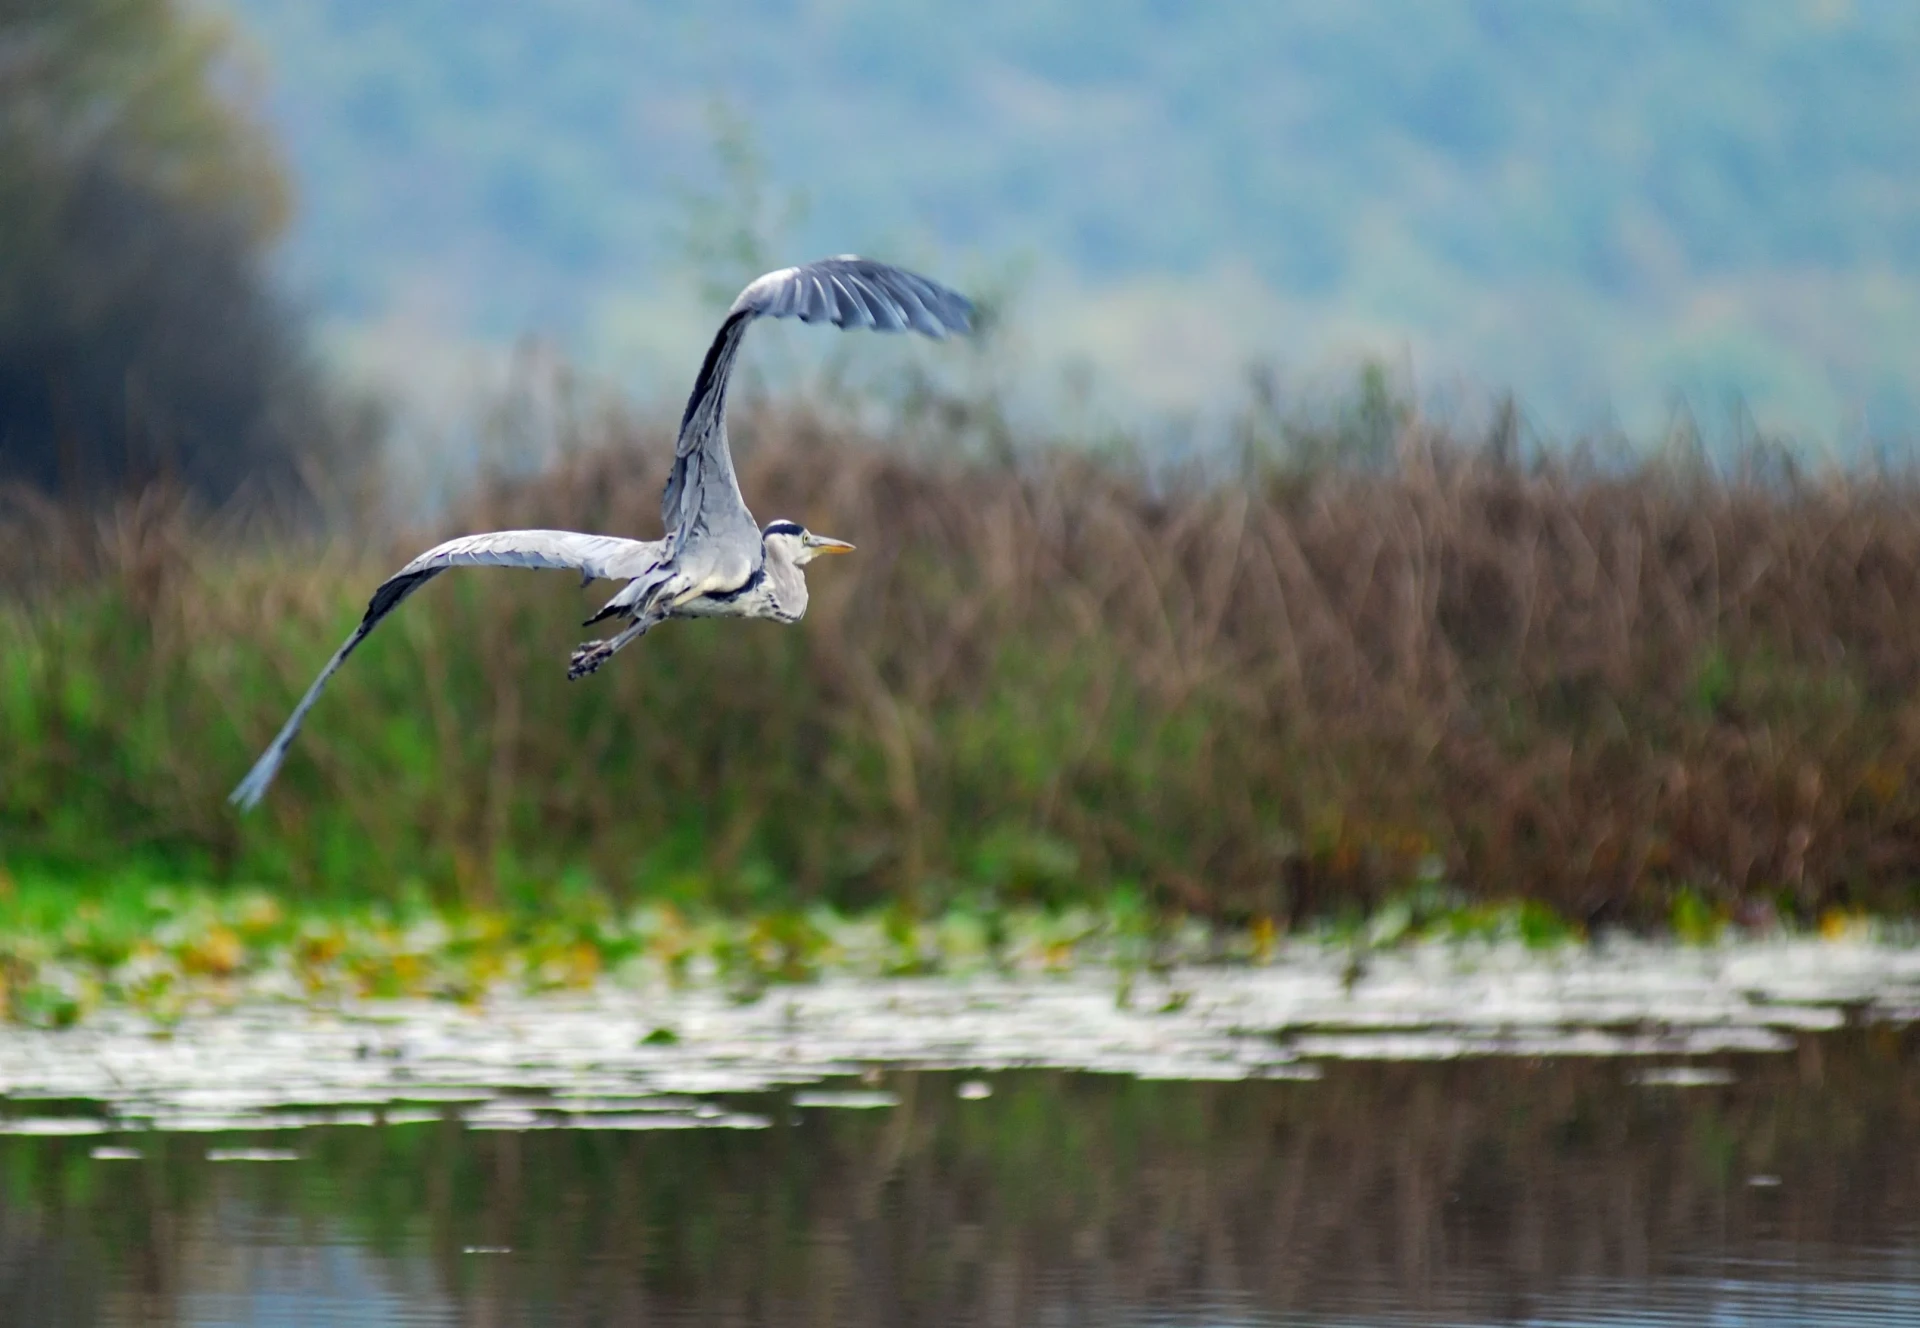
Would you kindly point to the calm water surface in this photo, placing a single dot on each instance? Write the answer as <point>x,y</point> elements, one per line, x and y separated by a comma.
<point>1749,1189</point>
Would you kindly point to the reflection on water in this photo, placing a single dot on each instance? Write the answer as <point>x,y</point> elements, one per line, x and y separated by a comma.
<point>1756,1189</point>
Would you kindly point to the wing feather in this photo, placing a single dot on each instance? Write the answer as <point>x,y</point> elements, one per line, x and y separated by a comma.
<point>891,297</point>
<point>854,311</point>
<point>603,557</point>
<point>820,303</point>
<point>595,557</point>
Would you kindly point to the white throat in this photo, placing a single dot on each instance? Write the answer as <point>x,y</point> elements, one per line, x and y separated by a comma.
<point>786,582</point>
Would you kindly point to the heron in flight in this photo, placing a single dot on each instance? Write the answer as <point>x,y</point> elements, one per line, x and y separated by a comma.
<point>714,561</point>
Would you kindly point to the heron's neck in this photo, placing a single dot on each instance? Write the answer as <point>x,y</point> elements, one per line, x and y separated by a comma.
<point>709,396</point>
<point>787,584</point>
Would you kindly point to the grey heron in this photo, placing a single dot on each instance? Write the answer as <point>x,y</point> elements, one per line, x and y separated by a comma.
<point>714,561</point>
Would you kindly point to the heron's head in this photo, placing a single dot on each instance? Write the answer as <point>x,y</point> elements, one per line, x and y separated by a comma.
<point>799,545</point>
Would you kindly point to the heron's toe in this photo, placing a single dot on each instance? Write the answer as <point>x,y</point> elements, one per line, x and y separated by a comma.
<point>587,657</point>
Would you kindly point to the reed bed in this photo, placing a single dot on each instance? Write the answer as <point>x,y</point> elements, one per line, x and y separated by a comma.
<point>1630,693</point>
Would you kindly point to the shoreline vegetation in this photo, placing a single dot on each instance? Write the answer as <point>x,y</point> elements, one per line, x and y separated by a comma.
<point>69,950</point>
<point>1365,664</point>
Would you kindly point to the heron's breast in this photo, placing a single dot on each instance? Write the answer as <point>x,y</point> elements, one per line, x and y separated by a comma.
<point>755,599</point>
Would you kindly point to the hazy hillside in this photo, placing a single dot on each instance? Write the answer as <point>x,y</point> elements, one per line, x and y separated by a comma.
<point>1598,203</point>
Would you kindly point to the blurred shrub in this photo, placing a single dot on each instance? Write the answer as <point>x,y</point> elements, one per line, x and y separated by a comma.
<point>1290,693</point>
<point>139,337</point>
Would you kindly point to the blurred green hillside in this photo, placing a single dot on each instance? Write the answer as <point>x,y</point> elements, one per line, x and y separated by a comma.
<point>1598,204</point>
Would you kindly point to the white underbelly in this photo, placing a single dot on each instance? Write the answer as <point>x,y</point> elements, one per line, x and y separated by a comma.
<point>755,603</point>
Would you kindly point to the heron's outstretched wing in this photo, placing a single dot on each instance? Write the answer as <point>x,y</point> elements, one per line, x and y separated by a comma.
<point>601,557</point>
<point>847,292</point>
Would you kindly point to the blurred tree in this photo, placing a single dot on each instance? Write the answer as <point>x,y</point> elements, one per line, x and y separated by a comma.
<point>139,336</point>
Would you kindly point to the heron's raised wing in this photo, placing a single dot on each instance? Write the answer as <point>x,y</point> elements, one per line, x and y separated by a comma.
<point>595,557</point>
<point>858,292</point>
<point>847,292</point>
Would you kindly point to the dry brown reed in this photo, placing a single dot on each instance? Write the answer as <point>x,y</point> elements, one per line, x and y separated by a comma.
<point>1285,694</point>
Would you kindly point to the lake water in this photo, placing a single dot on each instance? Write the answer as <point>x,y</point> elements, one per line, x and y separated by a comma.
<point>1732,1140</point>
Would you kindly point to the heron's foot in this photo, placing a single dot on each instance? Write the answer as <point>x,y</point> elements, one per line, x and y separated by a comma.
<point>588,656</point>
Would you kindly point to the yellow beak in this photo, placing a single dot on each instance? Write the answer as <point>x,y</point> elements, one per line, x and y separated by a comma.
<point>821,544</point>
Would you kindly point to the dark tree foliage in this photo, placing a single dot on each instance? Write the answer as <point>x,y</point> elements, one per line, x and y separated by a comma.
<point>140,338</point>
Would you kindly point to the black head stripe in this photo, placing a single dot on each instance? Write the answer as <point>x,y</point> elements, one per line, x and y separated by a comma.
<point>784,528</point>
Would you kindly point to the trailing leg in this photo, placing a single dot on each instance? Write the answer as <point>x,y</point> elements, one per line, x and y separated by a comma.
<point>590,655</point>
